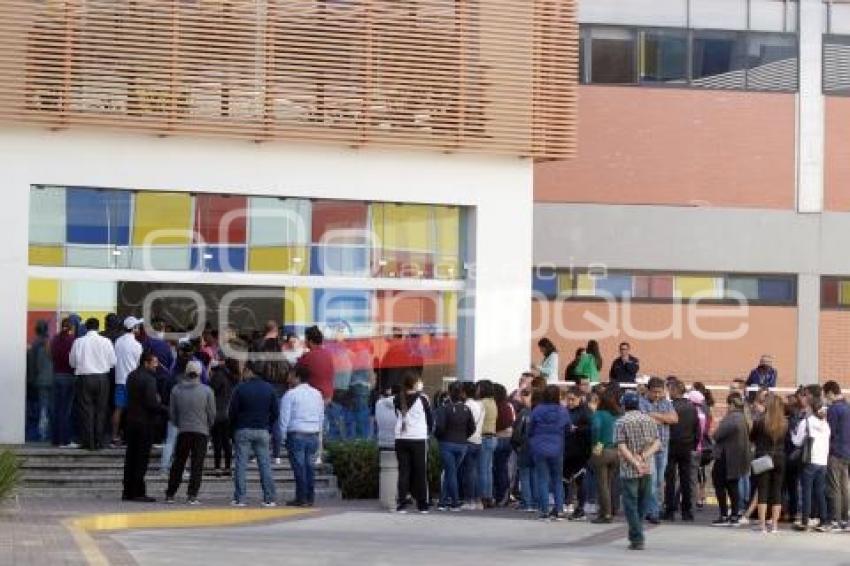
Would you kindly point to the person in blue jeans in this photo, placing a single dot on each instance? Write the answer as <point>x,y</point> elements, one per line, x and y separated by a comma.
<point>659,409</point>
<point>525,465</point>
<point>253,411</point>
<point>302,413</point>
<point>546,429</point>
<point>814,429</point>
<point>453,426</point>
<point>484,394</point>
<point>63,398</point>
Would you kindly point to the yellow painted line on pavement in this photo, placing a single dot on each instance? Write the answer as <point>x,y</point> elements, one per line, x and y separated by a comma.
<point>81,527</point>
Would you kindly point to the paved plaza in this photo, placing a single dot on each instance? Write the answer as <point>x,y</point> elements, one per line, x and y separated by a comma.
<point>42,532</point>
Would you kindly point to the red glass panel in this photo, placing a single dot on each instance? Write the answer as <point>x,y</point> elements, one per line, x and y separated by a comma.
<point>220,219</point>
<point>329,215</point>
<point>661,287</point>
<point>829,293</point>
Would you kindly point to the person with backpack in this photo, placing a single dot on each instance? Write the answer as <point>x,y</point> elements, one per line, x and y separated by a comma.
<point>454,425</point>
<point>546,429</point>
<point>413,423</point>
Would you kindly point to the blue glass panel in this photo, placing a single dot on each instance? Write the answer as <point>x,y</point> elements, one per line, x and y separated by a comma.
<point>776,290</point>
<point>614,286</point>
<point>224,258</point>
<point>545,283</point>
<point>98,216</point>
<point>339,260</point>
<point>335,306</point>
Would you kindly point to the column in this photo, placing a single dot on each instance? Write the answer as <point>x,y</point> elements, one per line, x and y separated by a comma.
<point>808,328</point>
<point>810,109</point>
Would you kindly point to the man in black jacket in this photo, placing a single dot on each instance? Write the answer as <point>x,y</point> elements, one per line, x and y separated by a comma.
<point>577,449</point>
<point>143,410</point>
<point>684,436</point>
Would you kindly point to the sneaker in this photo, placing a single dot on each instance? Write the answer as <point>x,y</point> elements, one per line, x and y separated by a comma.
<point>193,501</point>
<point>71,445</point>
<point>798,526</point>
<point>169,500</point>
<point>269,504</point>
<point>467,507</point>
<point>424,511</point>
<point>636,546</point>
<point>578,515</point>
<point>814,522</point>
<point>743,520</point>
<point>721,522</point>
<point>235,503</point>
<point>569,509</point>
<point>836,527</point>
<point>653,520</point>
<point>294,503</point>
<point>479,506</point>
<point>556,517</point>
<point>455,508</point>
<point>737,521</point>
<point>442,507</point>
<point>402,508</point>
<point>602,521</point>
<point>823,529</point>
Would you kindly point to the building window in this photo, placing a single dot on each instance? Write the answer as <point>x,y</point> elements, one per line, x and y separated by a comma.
<point>612,59</point>
<point>719,60</point>
<point>664,57</point>
<point>836,64</point>
<point>737,60</point>
<point>666,287</point>
<point>835,292</point>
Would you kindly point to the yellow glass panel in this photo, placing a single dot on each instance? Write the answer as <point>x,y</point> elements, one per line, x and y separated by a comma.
<point>47,255</point>
<point>43,294</point>
<point>402,226</point>
<point>844,293</point>
<point>585,285</point>
<point>447,219</point>
<point>297,305</point>
<point>450,302</point>
<point>702,287</point>
<point>100,315</point>
<point>565,283</point>
<point>292,260</point>
<point>162,219</point>
<point>447,267</point>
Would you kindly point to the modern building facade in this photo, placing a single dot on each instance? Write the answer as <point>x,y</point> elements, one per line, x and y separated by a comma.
<point>705,214</point>
<point>364,166</point>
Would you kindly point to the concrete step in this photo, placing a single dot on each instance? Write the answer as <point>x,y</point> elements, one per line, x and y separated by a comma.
<point>213,493</point>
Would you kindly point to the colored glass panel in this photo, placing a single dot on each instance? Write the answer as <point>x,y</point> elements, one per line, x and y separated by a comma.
<point>47,216</point>
<point>447,221</point>
<point>278,221</point>
<point>162,219</point>
<point>297,305</point>
<point>844,293</point>
<point>97,216</point>
<point>746,286</point>
<point>340,222</point>
<point>776,290</point>
<point>89,296</point>
<point>333,306</point>
<point>617,286</point>
<point>406,308</point>
<point>585,285</point>
<point>278,259</point>
<point>566,283</point>
<point>218,259</point>
<point>402,226</point>
<point>698,287</point>
<point>155,258</point>
<point>829,293</point>
<point>340,260</point>
<point>34,317</point>
<point>46,255</point>
<point>99,256</point>
<point>43,294</point>
<point>449,312</point>
<point>221,219</point>
<point>661,287</point>
<point>640,286</point>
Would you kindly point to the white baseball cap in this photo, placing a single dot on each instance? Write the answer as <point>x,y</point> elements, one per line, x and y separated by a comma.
<point>132,322</point>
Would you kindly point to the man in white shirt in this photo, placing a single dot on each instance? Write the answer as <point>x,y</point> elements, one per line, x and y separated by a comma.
<point>92,356</point>
<point>302,413</point>
<point>128,351</point>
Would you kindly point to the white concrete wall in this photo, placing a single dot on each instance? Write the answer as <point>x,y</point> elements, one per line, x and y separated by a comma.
<point>500,188</point>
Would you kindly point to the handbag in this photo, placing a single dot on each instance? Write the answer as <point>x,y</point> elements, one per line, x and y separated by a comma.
<point>803,454</point>
<point>762,464</point>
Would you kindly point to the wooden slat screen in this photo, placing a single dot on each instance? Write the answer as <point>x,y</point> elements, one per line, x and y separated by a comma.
<point>492,76</point>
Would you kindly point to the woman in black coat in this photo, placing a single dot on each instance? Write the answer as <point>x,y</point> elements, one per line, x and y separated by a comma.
<point>732,459</point>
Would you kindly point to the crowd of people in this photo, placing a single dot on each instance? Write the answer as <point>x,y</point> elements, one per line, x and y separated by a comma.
<point>568,449</point>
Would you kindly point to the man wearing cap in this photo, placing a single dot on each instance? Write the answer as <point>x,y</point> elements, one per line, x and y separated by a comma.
<point>128,350</point>
<point>192,412</point>
<point>636,435</point>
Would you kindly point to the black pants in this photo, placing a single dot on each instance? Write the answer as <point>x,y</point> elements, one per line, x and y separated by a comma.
<point>139,439</point>
<point>791,487</point>
<point>413,471</point>
<point>221,444</point>
<point>92,409</point>
<point>193,443</point>
<point>724,487</point>
<point>679,463</point>
<point>770,482</point>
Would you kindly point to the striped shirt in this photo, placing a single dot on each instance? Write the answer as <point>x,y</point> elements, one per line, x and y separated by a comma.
<point>637,431</point>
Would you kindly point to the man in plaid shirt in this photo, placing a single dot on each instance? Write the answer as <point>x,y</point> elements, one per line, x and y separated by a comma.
<point>636,435</point>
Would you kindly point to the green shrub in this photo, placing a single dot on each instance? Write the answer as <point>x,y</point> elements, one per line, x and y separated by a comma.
<point>434,469</point>
<point>357,467</point>
<point>9,473</point>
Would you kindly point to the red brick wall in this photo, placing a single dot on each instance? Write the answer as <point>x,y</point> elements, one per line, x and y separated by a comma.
<point>680,147</point>
<point>835,346</point>
<point>837,154</point>
<point>769,330</point>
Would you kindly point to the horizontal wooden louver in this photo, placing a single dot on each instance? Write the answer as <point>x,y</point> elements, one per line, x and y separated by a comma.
<point>491,76</point>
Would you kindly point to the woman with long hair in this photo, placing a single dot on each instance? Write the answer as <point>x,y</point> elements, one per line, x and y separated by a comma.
<point>548,368</point>
<point>590,362</point>
<point>605,457</point>
<point>413,422</point>
<point>732,460</point>
<point>454,425</point>
<point>768,435</point>
<point>506,415</point>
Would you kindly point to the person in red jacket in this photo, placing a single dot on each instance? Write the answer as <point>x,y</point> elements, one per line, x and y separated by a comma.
<point>319,363</point>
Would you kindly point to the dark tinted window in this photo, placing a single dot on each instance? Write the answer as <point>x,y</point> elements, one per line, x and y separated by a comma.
<point>719,59</point>
<point>612,54</point>
<point>664,57</point>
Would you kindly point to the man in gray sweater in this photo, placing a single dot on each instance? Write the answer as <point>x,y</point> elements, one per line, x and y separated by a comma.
<point>192,412</point>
